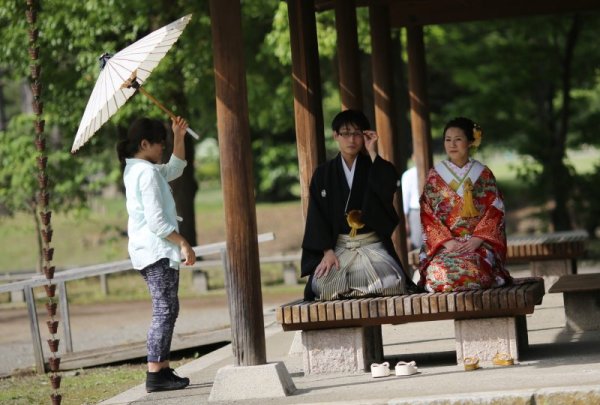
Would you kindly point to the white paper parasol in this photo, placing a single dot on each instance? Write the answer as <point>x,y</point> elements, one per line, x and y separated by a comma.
<point>123,74</point>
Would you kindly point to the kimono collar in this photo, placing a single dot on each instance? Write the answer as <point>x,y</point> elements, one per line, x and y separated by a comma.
<point>455,176</point>
<point>349,172</point>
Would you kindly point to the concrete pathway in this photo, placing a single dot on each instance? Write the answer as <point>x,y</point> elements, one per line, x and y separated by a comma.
<point>559,368</point>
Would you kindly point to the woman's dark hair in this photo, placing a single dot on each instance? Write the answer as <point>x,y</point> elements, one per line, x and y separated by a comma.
<point>353,117</point>
<point>463,123</point>
<point>143,128</point>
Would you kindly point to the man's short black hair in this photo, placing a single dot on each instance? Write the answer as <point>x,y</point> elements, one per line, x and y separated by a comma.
<point>354,117</point>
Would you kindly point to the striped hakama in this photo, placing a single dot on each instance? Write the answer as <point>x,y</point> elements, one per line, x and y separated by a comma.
<point>366,269</point>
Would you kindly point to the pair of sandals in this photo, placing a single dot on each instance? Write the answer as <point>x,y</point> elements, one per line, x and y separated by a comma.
<point>500,359</point>
<point>402,369</point>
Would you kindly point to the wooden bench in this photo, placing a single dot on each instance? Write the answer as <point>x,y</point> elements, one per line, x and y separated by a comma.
<point>581,293</point>
<point>345,335</point>
<point>549,254</point>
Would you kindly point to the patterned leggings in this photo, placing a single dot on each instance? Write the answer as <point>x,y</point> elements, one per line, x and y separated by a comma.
<point>163,284</point>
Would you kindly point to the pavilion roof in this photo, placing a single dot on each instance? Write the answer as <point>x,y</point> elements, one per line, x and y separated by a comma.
<point>425,12</point>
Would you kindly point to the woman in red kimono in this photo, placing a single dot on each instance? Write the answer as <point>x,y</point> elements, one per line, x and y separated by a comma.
<point>462,214</point>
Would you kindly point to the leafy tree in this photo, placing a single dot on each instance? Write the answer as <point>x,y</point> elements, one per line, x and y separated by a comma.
<point>70,182</point>
<point>528,82</point>
<point>72,36</point>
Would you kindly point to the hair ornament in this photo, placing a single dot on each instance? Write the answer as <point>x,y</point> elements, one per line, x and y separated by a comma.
<point>477,135</point>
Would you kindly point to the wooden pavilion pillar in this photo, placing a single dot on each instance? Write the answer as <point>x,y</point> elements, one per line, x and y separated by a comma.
<point>307,92</point>
<point>419,107</point>
<point>348,55</point>
<point>383,95</point>
<point>243,271</point>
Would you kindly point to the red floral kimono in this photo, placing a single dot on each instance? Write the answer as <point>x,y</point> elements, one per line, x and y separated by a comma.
<point>449,193</point>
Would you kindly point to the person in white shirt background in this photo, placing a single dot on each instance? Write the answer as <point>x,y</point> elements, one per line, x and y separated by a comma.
<point>155,246</point>
<point>410,202</point>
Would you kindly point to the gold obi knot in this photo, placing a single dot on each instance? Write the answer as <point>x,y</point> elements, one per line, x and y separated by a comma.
<point>354,221</point>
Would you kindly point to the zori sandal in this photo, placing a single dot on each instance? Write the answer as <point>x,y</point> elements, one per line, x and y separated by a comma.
<point>380,370</point>
<point>503,359</point>
<point>403,368</point>
<point>471,363</point>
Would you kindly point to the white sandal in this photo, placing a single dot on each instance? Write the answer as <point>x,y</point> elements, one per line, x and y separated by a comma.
<point>380,370</point>
<point>404,368</point>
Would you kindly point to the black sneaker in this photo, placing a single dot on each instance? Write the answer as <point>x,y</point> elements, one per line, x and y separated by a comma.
<point>165,380</point>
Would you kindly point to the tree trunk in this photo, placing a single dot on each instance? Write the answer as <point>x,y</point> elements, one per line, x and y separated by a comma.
<point>560,178</point>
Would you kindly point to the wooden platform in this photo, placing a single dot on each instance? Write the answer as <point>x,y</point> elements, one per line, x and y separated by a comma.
<point>114,354</point>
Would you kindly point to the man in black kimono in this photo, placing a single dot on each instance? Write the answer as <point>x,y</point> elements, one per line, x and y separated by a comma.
<point>347,250</point>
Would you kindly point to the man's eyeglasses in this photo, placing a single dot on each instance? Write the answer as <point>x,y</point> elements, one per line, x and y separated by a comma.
<point>348,134</point>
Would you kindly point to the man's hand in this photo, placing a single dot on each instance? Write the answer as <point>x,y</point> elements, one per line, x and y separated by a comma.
<point>371,138</point>
<point>329,261</point>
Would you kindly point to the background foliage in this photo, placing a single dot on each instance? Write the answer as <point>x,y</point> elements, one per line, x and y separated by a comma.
<point>532,83</point>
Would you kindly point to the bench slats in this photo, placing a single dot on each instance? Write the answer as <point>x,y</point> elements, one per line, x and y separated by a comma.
<point>356,309</point>
<point>469,305</point>
<point>322,311</point>
<point>516,299</point>
<point>313,313</point>
<point>348,309</point>
<point>304,317</point>
<point>399,304</point>
<point>339,310</point>
<point>373,313</point>
<point>442,303</point>
<point>391,306</point>
<point>296,314</point>
<point>330,310</point>
<point>460,301</point>
<point>416,304</point>
<point>364,308</point>
<point>433,303</point>
<point>407,301</point>
<point>382,307</point>
<point>451,302</point>
<point>287,314</point>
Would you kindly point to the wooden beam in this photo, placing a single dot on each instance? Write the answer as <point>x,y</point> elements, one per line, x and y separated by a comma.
<point>426,12</point>
<point>348,55</point>
<point>383,97</point>
<point>243,270</point>
<point>307,92</point>
<point>419,107</point>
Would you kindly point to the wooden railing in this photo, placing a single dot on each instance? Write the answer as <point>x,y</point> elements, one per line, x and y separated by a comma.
<point>62,277</point>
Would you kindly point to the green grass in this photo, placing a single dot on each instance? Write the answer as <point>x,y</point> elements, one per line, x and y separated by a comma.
<point>99,235</point>
<point>88,386</point>
<point>96,384</point>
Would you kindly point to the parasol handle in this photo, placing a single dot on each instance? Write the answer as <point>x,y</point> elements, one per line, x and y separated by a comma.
<point>192,133</point>
<point>165,109</point>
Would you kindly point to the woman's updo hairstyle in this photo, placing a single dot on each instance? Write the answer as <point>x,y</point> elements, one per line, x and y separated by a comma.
<point>470,129</point>
<point>463,123</point>
<point>147,129</point>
